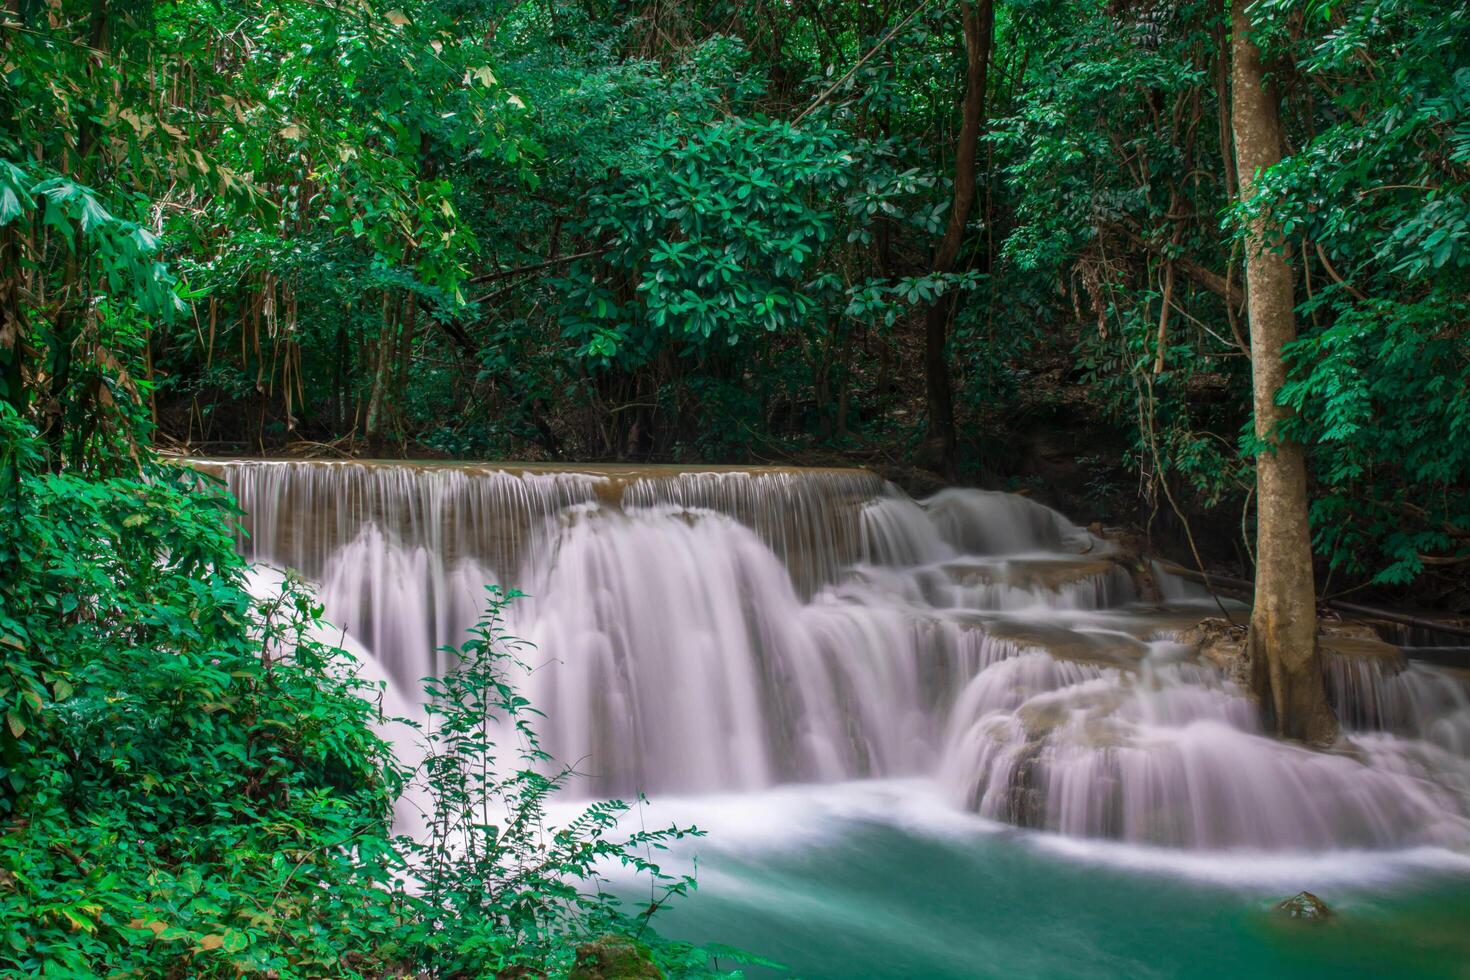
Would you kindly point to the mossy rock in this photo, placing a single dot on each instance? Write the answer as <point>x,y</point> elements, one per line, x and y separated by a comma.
<point>614,958</point>
<point>1305,906</point>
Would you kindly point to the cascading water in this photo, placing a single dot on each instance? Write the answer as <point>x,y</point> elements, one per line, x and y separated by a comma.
<point>730,630</point>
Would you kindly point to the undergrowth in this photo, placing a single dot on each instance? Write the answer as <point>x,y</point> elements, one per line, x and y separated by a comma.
<point>192,785</point>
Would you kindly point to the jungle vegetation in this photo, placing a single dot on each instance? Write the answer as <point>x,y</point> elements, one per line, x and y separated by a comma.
<point>695,231</point>
<point>1199,264</point>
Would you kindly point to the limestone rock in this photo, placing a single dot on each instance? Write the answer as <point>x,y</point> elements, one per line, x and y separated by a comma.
<point>1345,644</point>
<point>1305,906</point>
<point>1223,645</point>
<point>1130,551</point>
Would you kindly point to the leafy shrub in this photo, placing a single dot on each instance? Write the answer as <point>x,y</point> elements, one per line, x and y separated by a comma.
<point>500,889</point>
<point>190,783</point>
<point>175,802</point>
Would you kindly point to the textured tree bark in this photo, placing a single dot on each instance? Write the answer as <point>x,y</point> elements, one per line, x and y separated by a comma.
<point>404,365</point>
<point>1285,661</point>
<point>380,398</point>
<point>12,322</point>
<point>937,451</point>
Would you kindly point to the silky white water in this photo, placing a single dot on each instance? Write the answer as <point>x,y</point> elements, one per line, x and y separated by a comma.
<point>737,630</point>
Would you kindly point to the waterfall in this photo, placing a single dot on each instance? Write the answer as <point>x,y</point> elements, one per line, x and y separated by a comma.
<point>732,629</point>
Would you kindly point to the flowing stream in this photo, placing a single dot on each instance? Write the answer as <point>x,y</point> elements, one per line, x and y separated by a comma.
<point>866,695</point>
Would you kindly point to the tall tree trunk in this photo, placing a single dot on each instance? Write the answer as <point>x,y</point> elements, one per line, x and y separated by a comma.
<point>404,366</point>
<point>12,322</point>
<point>1222,96</point>
<point>340,368</point>
<point>978,22</point>
<point>381,397</point>
<point>1286,664</point>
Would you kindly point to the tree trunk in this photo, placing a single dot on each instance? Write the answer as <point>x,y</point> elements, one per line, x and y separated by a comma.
<point>12,322</point>
<point>1222,94</point>
<point>978,22</point>
<point>339,378</point>
<point>404,366</point>
<point>1286,664</point>
<point>381,395</point>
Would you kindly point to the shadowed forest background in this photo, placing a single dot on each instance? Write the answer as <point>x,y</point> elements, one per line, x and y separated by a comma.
<point>999,241</point>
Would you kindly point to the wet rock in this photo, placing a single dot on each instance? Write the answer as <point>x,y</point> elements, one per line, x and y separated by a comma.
<point>1354,628</point>
<point>1305,906</point>
<point>1026,801</point>
<point>1057,714</point>
<point>912,480</point>
<point>1360,647</point>
<point>614,958</point>
<point>1064,643</point>
<point>1222,644</point>
<point>1130,551</point>
<point>1030,573</point>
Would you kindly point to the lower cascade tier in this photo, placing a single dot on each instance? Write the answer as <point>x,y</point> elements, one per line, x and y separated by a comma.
<point>733,630</point>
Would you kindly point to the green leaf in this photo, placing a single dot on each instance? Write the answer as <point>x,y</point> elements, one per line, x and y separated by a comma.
<point>9,205</point>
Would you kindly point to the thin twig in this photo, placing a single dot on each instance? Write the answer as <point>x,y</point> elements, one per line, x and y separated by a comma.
<point>860,62</point>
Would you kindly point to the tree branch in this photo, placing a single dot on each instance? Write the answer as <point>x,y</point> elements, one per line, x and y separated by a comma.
<point>536,267</point>
<point>1212,281</point>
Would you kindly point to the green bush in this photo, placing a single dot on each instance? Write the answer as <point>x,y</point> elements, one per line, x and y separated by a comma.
<point>190,783</point>
<point>180,797</point>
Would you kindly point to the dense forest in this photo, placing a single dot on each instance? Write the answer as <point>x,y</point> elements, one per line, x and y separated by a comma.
<point>978,238</point>
<point>1200,267</point>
